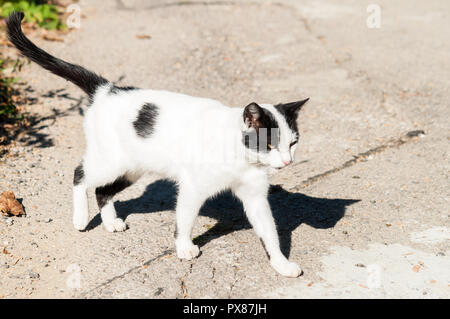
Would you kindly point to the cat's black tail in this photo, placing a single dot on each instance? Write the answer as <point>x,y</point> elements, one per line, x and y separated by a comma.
<point>86,80</point>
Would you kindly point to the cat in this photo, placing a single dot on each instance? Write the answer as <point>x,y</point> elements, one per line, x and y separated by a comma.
<point>201,144</point>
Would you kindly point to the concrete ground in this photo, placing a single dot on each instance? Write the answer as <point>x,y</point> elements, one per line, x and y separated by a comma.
<point>364,211</point>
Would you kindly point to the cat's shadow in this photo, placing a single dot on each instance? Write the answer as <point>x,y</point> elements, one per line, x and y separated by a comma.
<point>290,210</point>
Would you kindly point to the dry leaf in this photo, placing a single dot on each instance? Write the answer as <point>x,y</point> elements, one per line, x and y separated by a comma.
<point>416,268</point>
<point>407,254</point>
<point>50,37</point>
<point>143,36</point>
<point>9,204</point>
<point>4,251</point>
<point>362,286</point>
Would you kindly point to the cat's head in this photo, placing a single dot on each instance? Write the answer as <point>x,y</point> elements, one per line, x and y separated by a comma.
<point>271,132</point>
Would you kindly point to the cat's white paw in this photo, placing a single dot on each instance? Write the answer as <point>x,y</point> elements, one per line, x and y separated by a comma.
<point>80,221</point>
<point>115,225</point>
<point>287,268</point>
<point>187,251</point>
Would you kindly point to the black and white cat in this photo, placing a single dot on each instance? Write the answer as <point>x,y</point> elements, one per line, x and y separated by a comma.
<point>203,145</point>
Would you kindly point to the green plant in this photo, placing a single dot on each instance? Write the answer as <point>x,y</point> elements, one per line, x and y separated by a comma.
<point>8,109</point>
<point>43,14</point>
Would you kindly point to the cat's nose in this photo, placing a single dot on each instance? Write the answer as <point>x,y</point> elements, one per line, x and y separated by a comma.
<point>286,163</point>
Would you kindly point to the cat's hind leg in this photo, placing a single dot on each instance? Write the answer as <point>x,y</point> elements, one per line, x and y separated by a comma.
<point>80,201</point>
<point>105,194</point>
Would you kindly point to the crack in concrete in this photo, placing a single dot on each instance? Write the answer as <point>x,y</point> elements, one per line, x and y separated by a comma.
<point>131,270</point>
<point>320,38</point>
<point>232,287</point>
<point>122,6</point>
<point>233,284</point>
<point>184,289</point>
<point>361,157</point>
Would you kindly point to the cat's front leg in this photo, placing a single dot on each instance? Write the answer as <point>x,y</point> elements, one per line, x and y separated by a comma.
<point>188,206</point>
<point>260,216</point>
<point>252,190</point>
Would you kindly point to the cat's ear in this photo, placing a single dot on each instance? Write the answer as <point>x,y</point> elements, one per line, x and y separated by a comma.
<point>252,115</point>
<point>293,108</point>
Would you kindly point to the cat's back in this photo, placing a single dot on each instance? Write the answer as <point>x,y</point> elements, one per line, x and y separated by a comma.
<point>126,103</point>
<point>158,130</point>
<point>122,112</point>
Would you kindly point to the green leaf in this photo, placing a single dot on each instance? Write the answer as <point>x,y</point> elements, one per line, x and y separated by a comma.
<point>50,25</point>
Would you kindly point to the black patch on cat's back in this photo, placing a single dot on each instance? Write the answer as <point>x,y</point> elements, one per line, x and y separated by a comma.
<point>145,122</point>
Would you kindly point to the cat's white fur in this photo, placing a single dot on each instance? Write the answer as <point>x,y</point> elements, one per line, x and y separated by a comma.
<point>188,130</point>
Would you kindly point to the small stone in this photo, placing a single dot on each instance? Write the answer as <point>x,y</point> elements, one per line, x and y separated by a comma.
<point>416,133</point>
<point>9,221</point>
<point>360,265</point>
<point>48,220</point>
<point>440,253</point>
<point>33,275</point>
